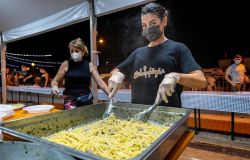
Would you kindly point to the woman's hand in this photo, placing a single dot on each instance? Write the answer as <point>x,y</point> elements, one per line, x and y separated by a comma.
<point>55,90</point>
<point>167,87</point>
<point>115,82</point>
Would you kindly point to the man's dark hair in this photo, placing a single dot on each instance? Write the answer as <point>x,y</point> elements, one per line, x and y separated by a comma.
<point>154,8</point>
<point>238,56</point>
<point>23,65</point>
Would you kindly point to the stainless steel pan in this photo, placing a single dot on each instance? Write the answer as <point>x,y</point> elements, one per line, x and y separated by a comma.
<point>32,129</point>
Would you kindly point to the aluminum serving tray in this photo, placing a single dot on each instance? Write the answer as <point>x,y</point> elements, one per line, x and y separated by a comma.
<point>30,151</point>
<point>32,129</point>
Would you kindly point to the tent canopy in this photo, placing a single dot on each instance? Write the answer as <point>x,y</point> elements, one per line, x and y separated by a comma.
<point>25,18</point>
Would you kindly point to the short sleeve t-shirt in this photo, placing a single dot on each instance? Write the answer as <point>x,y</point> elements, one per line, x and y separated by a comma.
<point>29,81</point>
<point>146,67</point>
<point>237,72</point>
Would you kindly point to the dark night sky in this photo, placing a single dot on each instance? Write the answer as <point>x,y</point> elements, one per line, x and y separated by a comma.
<point>206,27</point>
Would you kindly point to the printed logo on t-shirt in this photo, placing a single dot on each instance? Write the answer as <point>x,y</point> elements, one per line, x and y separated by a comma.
<point>146,72</point>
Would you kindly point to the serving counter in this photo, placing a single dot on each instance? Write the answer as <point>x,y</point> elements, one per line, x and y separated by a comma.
<point>43,94</point>
<point>32,94</point>
<point>170,144</point>
<point>234,102</point>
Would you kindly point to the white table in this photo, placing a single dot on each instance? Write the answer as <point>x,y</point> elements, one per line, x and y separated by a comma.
<point>123,95</point>
<point>234,102</point>
<point>32,89</point>
<point>219,101</point>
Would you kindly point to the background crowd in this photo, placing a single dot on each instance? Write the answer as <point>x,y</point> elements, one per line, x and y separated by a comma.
<point>218,79</point>
<point>26,76</point>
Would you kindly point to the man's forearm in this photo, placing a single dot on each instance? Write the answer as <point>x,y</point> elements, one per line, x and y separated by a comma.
<point>228,79</point>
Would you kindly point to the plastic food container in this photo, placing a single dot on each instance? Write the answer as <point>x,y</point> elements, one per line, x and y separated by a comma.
<point>39,108</point>
<point>18,106</point>
<point>6,111</point>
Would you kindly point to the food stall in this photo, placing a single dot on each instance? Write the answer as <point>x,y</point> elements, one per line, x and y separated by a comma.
<point>173,150</point>
<point>33,127</point>
<point>170,143</point>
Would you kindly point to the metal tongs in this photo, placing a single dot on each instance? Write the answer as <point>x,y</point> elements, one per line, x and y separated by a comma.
<point>144,115</point>
<point>109,109</point>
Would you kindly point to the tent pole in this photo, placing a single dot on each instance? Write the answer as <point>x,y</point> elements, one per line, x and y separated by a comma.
<point>3,69</point>
<point>93,47</point>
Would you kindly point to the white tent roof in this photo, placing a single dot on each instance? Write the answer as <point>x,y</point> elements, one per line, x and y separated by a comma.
<point>15,13</point>
<point>23,18</point>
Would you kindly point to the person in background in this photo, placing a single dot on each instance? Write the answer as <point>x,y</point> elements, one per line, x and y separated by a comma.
<point>16,79</point>
<point>9,77</point>
<point>77,72</point>
<point>37,81</point>
<point>211,83</point>
<point>235,74</point>
<point>157,70</point>
<point>44,79</point>
<point>27,77</point>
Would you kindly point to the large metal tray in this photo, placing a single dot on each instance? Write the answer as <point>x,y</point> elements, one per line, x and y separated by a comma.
<point>30,151</point>
<point>32,129</point>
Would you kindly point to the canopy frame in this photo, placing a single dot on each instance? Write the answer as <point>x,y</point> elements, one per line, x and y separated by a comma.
<point>87,10</point>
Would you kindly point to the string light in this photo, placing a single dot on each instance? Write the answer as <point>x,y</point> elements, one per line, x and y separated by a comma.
<point>42,65</point>
<point>11,65</point>
<point>28,62</point>
<point>34,61</point>
<point>16,57</point>
<point>29,55</point>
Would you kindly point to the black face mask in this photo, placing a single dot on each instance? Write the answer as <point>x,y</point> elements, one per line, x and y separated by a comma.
<point>152,33</point>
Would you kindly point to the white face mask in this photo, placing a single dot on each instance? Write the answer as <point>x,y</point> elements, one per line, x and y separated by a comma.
<point>237,61</point>
<point>76,56</point>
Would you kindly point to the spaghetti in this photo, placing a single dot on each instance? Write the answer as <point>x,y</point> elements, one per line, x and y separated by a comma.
<point>111,138</point>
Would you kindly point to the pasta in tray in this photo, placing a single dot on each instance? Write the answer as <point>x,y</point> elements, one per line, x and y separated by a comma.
<point>111,138</point>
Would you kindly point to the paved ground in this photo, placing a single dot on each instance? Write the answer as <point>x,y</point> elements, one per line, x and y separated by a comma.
<point>215,143</point>
<point>214,146</point>
<point>223,140</point>
<point>197,154</point>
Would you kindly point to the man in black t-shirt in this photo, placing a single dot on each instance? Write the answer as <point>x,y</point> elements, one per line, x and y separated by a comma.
<point>158,70</point>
